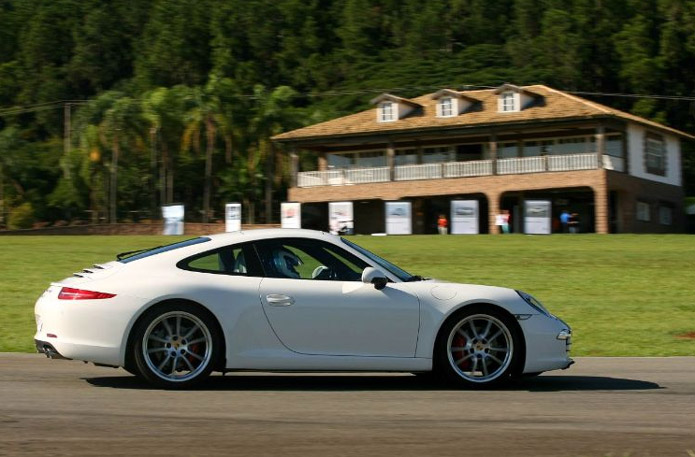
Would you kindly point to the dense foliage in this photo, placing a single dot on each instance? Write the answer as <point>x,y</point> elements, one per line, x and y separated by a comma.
<point>175,100</point>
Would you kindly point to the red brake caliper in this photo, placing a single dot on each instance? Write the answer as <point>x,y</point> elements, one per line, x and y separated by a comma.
<point>458,354</point>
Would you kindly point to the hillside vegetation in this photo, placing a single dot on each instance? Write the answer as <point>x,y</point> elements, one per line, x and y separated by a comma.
<point>175,100</point>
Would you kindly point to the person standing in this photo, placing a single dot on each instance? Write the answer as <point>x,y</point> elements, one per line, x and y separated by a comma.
<point>505,220</point>
<point>442,224</point>
<point>565,220</point>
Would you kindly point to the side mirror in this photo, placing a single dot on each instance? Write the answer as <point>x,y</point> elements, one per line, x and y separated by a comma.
<point>373,276</point>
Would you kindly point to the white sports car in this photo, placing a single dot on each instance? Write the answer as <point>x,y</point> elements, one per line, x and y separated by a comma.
<point>285,300</point>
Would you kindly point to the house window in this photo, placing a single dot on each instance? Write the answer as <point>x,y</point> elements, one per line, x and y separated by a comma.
<point>446,108</point>
<point>655,155</point>
<point>437,155</point>
<point>387,111</point>
<point>508,102</point>
<point>507,150</point>
<point>538,148</point>
<point>643,212</point>
<point>665,215</point>
<point>405,157</point>
<point>614,145</point>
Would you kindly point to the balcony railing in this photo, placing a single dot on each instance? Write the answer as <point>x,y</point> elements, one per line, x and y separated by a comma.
<point>521,165</point>
<point>343,177</point>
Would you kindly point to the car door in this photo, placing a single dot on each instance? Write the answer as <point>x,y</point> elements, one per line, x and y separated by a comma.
<point>316,303</point>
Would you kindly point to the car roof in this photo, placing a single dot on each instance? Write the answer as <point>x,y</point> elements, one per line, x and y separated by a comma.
<point>261,234</point>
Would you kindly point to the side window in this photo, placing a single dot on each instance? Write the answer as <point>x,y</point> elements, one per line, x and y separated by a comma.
<point>230,260</point>
<point>308,259</point>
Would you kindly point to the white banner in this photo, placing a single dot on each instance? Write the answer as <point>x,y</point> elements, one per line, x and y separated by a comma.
<point>340,221</point>
<point>464,217</point>
<point>232,217</point>
<point>399,218</point>
<point>173,219</point>
<point>537,214</point>
<point>291,215</point>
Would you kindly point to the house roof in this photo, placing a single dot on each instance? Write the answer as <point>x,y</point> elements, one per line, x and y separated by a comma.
<point>557,105</point>
<point>393,98</point>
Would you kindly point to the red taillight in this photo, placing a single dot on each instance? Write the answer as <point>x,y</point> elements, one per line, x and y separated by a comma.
<point>68,293</point>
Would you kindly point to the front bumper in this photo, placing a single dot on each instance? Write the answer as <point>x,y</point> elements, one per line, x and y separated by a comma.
<point>548,344</point>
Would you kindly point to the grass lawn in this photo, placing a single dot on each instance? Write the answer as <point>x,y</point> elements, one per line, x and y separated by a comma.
<point>624,295</point>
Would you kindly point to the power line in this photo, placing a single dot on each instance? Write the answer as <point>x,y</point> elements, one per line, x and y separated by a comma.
<point>11,111</point>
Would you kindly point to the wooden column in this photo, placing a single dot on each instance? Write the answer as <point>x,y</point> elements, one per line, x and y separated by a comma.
<point>323,162</point>
<point>294,167</point>
<point>600,144</point>
<point>492,146</point>
<point>391,160</point>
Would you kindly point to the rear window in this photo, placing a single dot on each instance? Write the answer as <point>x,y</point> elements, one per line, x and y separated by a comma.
<point>137,255</point>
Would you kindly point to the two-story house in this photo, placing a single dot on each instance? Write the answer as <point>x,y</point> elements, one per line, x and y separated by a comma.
<point>617,172</point>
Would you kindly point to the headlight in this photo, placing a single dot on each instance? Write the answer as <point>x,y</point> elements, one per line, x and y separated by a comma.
<point>534,303</point>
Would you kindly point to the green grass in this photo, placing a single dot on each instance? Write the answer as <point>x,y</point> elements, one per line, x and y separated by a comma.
<point>624,295</point>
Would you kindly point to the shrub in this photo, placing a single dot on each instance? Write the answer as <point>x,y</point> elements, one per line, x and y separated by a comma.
<point>21,217</point>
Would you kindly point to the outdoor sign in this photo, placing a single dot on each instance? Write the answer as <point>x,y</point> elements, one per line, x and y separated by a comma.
<point>173,219</point>
<point>291,215</point>
<point>399,218</point>
<point>340,221</point>
<point>537,217</point>
<point>464,217</point>
<point>232,217</point>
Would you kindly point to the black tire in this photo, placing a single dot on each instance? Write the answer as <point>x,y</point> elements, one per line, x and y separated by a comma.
<point>176,345</point>
<point>469,347</point>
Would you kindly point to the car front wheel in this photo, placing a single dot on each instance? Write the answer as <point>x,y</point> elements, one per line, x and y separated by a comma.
<point>478,347</point>
<point>176,346</point>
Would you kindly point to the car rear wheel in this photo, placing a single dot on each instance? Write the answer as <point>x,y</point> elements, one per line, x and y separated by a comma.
<point>478,347</point>
<point>176,347</point>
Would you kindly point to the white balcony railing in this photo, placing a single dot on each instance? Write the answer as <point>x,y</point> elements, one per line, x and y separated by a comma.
<point>520,165</point>
<point>572,162</point>
<point>367,175</point>
<point>536,164</point>
<point>467,169</point>
<point>424,171</point>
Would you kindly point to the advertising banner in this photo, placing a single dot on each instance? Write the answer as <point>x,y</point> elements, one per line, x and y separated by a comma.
<point>464,217</point>
<point>291,215</point>
<point>537,214</point>
<point>340,221</point>
<point>173,219</point>
<point>232,217</point>
<point>399,219</point>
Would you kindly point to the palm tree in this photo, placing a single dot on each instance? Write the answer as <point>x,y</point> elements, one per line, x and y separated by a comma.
<point>273,113</point>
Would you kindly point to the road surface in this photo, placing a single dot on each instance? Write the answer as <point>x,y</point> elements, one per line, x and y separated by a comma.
<point>601,406</point>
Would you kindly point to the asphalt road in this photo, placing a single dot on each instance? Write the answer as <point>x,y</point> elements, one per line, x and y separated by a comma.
<point>601,406</point>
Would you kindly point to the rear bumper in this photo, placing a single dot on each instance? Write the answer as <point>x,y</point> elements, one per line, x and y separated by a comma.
<point>46,348</point>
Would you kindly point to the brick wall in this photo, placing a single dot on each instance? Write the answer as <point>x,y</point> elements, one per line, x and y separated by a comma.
<point>492,186</point>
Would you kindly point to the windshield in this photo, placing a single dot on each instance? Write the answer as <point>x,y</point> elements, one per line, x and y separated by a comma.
<point>383,263</point>
<point>127,257</point>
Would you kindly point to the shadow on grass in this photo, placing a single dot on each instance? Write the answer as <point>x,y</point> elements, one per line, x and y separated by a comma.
<point>407,382</point>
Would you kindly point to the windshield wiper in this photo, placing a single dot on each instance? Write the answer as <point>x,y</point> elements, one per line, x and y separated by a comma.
<point>414,278</point>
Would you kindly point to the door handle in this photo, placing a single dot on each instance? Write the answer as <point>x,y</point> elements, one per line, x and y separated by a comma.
<point>279,300</point>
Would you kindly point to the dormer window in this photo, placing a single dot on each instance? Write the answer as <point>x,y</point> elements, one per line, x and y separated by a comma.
<point>508,101</point>
<point>387,112</point>
<point>451,103</point>
<point>446,108</point>
<point>390,108</point>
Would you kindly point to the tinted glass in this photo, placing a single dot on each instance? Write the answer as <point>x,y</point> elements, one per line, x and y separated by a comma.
<point>299,258</point>
<point>137,255</point>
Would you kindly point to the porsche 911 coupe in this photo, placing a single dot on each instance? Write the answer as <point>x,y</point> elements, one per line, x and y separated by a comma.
<point>291,300</point>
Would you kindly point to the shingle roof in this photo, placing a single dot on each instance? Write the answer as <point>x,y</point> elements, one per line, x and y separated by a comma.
<point>557,105</point>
